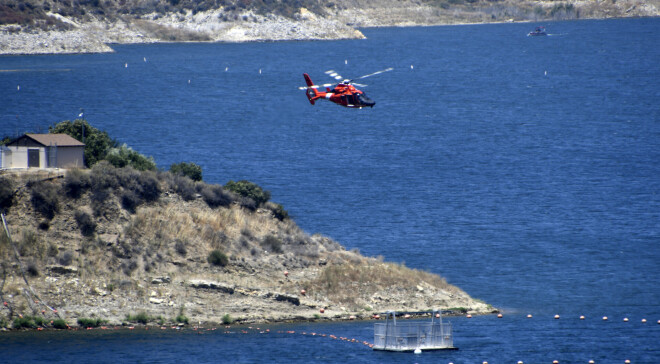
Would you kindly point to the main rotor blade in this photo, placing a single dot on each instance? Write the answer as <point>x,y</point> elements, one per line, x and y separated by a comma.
<point>375,73</point>
<point>316,86</point>
<point>334,75</point>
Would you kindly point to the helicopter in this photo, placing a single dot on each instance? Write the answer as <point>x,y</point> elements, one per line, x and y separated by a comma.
<point>343,93</point>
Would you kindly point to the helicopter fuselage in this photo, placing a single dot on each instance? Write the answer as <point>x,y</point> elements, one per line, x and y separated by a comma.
<point>343,94</point>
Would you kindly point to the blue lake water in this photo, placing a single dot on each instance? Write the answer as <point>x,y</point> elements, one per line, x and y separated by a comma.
<point>525,170</point>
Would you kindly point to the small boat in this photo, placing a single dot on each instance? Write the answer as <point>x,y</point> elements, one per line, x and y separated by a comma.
<point>538,31</point>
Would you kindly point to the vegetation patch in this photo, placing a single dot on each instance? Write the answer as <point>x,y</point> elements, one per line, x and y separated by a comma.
<point>218,258</point>
<point>141,317</point>
<point>227,319</point>
<point>249,190</point>
<point>190,170</point>
<point>45,198</point>
<point>60,324</point>
<point>86,223</point>
<point>90,322</point>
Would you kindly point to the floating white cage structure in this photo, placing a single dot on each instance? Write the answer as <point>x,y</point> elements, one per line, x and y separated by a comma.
<point>415,334</point>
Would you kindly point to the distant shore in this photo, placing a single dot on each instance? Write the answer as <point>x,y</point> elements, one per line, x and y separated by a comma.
<point>96,35</point>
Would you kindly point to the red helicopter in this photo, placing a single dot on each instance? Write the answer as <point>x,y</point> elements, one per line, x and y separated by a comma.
<point>343,93</point>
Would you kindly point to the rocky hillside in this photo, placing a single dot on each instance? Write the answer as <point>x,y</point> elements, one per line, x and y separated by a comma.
<point>66,26</point>
<point>120,246</point>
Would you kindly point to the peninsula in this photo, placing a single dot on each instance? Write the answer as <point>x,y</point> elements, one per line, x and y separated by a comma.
<point>118,245</point>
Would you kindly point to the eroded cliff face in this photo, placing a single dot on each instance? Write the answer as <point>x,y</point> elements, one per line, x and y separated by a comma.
<point>92,31</point>
<point>80,249</point>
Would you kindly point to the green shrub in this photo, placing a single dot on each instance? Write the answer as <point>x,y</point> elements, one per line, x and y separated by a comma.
<point>184,187</point>
<point>216,196</point>
<point>86,223</point>
<point>6,192</point>
<point>32,269</point>
<point>130,201</point>
<point>75,183</point>
<point>26,322</point>
<point>60,324</point>
<point>141,317</point>
<point>97,143</point>
<point>125,156</point>
<point>227,319</point>
<point>216,257</point>
<point>182,319</point>
<point>45,199</point>
<point>278,211</point>
<point>90,322</point>
<point>180,247</point>
<point>272,243</point>
<point>249,189</point>
<point>190,170</point>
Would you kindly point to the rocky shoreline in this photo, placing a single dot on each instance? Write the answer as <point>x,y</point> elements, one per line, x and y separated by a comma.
<point>96,35</point>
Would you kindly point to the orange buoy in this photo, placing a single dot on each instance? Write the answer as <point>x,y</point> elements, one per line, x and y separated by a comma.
<point>499,315</point>
<point>321,310</point>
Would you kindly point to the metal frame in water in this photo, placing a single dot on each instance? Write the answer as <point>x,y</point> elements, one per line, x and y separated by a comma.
<point>410,336</point>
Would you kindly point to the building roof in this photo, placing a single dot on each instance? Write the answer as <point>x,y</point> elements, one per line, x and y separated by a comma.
<point>60,140</point>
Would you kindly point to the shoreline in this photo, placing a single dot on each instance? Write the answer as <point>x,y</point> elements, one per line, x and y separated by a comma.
<point>242,324</point>
<point>95,36</point>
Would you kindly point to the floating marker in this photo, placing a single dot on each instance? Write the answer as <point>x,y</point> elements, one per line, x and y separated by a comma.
<point>259,70</point>
<point>546,73</point>
<point>125,65</point>
<point>411,66</point>
<point>625,319</point>
<point>189,82</point>
<point>520,362</point>
<point>643,320</point>
<point>591,362</point>
<point>468,316</point>
<point>18,88</point>
<point>145,59</point>
<point>529,316</point>
<point>604,318</point>
<point>499,315</point>
<point>581,317</point>
<point>345,61</point>
<point>555,362</point>
<point>556,317</point>
<point>226,69</point>
<point>418,351</point>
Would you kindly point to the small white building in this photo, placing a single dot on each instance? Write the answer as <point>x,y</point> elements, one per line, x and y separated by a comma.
<point>42,151</point>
